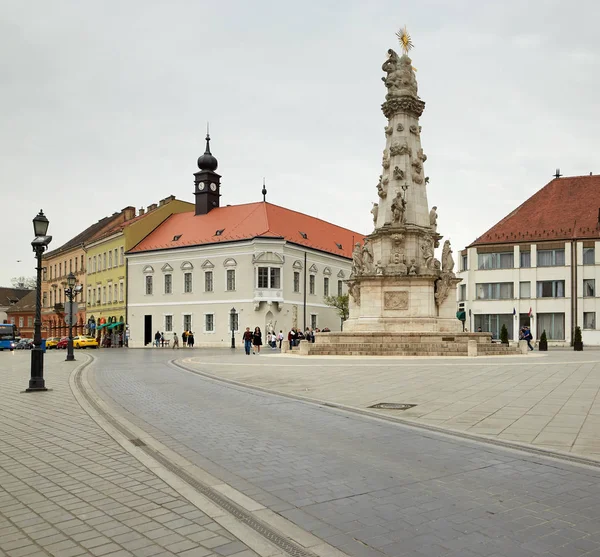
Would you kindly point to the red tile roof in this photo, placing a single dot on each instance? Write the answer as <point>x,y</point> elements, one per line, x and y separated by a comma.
<point>244,222</point>
<point>564,209</point>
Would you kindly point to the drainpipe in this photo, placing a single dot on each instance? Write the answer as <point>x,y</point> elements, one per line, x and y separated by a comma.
<point>304,327</point>
<point>573,288</point>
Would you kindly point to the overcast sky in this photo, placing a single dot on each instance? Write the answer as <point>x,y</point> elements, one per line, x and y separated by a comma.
<point>105,103</point>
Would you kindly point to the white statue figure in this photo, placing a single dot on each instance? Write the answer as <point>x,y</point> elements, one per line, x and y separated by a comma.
<point>375,212</point>
<point>367,257</point>
<point>357,260</point>
<point>378,268</point>
<point>433,218</point>
<point>427,252</point>
<point>399,208</point>
<point>400,79</point>
<point>447,259</point>
<point>269,327</point>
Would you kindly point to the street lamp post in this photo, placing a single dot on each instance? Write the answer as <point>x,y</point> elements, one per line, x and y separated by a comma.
<point>71,292</point>
<point>232,319</point>
<point>39,244</point>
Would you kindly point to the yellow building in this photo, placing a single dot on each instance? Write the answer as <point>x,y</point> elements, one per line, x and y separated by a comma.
<point>106,311</point>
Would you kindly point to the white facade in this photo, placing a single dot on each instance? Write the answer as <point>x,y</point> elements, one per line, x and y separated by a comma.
<point>267,281</point>
<point>501,280</point>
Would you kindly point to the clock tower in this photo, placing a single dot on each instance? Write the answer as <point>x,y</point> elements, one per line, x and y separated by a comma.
<point>207,182</point>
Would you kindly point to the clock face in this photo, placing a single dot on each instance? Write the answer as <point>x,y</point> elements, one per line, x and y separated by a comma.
<point>201,186</point>
<point>213,187</point>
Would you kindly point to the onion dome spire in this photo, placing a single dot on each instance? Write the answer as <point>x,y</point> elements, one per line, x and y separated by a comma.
<point>207,161</point>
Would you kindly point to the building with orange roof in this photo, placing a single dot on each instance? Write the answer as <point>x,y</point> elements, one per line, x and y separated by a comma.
<point>106,270</point>
<point>218,268</point>
<point>538,266</point>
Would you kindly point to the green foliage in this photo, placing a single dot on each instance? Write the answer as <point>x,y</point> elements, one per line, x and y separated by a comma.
<point>504,335</point>
<point>577,337</point>
<point>544,338</point>
<point>340,303</point>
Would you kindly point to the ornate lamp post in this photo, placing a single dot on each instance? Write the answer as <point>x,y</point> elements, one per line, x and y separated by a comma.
<point>71,292</point>
<point>232,320</point>
<point>39,244</point>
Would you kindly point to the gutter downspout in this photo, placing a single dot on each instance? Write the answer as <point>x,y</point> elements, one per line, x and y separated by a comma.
<point>573,285</point>
<point>304,327</point>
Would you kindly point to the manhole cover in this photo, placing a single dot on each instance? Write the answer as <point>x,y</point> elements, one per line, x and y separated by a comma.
<point>392,406</point>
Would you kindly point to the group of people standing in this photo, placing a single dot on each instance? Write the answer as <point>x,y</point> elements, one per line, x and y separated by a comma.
<point>252,340</point>
<point>187,338</point>
<point>295,336</point>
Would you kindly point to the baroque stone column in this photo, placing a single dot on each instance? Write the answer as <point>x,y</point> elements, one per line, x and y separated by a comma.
<point>397,284</point>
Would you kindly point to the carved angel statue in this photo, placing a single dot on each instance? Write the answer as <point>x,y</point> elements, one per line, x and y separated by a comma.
<point>433,218</point>
<point>412,268</point>
<point>447,259</point>
<point>354,291</point>
<point>375,212</point>
<point>427,253</point>
<point>381,191</point>
<point>399,208</point>
<point>357,260</point>
<point>367,257</point>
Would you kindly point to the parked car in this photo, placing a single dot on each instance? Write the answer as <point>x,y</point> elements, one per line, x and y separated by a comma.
<point>62,343</point>
<point>24,344</point>
<point>52,342</point>
<point>84,341</point>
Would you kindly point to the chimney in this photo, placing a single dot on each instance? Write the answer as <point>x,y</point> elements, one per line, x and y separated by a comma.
<point>170,198</point>
<point>152,207</point>
<point>128,212</point>
<point>141,212</point>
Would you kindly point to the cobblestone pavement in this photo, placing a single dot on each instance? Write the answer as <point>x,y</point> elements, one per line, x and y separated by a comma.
<point>550,401</point>
<point>367,486</point>
<point>68,489</point>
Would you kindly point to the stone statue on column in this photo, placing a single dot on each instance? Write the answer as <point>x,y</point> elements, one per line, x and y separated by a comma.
<point>433,218</point>
<point>399,208</point>
<point>367,257</point>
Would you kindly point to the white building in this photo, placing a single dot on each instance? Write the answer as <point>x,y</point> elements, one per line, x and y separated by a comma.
<point>538,266</point>
<point>272,265</point>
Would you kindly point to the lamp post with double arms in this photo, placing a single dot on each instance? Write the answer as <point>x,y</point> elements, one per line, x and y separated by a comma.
<point>39,244</point>
<point>71,292</point>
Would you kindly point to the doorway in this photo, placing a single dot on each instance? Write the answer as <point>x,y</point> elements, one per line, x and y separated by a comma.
<point>147,330</point>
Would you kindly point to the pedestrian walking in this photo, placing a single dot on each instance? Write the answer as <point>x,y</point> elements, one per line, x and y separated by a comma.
<point>162,340</point>
<point>190,339</point>
<point>280,338</point>
<point>527,336</point>
<point>157,339</point>
<point>175,341</point>
<point>247,340</point>
<point>257,340</point>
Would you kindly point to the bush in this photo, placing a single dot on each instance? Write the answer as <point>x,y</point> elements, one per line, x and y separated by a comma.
<point>504,335</point>
<point>577,342</point>
<point>543,341</point>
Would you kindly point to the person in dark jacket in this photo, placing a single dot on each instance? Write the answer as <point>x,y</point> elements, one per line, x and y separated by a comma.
<point>248,336</point>
<point>257,340</point>
<point>190,339</point>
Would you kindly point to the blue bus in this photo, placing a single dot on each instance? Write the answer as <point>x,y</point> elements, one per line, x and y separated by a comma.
<point>8,336</point>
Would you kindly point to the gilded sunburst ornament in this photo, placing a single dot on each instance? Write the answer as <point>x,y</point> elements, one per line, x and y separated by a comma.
<point>405,40</point>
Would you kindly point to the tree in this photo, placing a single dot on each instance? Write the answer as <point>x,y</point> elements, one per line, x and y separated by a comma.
<point>24,282</point>
<point>504,335</point>
<point>340,303</point>
<point>543,346</point>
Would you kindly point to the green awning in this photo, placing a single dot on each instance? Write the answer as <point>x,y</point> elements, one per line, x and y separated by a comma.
<point>113,325</point>
<point>101,326</point>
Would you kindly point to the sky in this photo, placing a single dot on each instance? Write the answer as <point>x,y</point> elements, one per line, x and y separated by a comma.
<point>105,105</point>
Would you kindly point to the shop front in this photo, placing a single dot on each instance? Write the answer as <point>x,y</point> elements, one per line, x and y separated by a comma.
<point>110,331</point>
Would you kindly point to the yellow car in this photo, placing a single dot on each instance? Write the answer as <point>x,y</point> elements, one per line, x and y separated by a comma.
<point>52,342</point>
<point>85,342</point>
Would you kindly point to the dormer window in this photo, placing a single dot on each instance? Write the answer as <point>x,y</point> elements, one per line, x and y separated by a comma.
<point>176,237</point>
<point>339,246</point>
<point>219,232</point>
<point>303,234</point>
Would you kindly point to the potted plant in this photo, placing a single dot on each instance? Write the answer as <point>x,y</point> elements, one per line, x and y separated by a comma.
<point>543,345</point>
<point>504,335</point>
<point>577,342</point>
